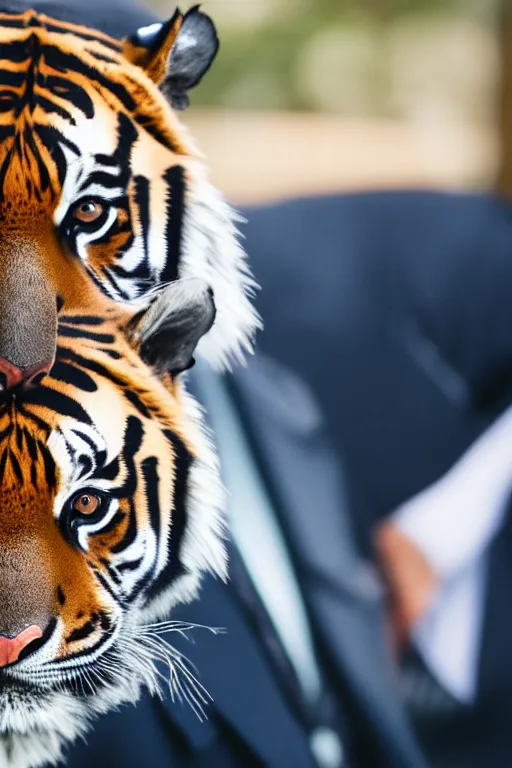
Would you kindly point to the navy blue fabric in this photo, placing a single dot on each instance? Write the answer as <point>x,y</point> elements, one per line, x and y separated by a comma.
<point>116,18</point>
<point>396,308</point>
<point>304,474</point>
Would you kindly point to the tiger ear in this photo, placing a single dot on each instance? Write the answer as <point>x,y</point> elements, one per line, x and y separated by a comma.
<point>167,333</point>
<point>175,54</point>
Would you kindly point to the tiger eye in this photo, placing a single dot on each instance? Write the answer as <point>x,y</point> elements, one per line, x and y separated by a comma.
<point>86,504</point>
<point>88,211</point>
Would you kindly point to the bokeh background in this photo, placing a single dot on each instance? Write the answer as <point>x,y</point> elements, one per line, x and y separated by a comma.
<point>311,96</point>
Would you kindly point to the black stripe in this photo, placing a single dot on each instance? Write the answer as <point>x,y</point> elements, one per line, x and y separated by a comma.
<point>111,353</point>
<point>51,107</point>
<point>174,177</point>
<point>70,91</point>
<point>82,333</point>
<point>31,446</point>
<point>108,472</point>
<point>12,79</point>
<point>44,176</point>
<point>106,585</point>
<point>116,289</point>
<point>174,567</point>
<point>103,179</point>
<point>135,400</point>
<point>30,416</point>
<point>87,465</point>
<point>57,402</point>
<point>111,572</point>
<point>82,319</point>
<point>6,132</point>
<point>151,482</point>
<point>120,160</point>
<point>15,51</point>
<point>147,122</point>
<point>33,46</point>
<point>132,442</point>
<point>52,140</point>
<point>81,633</point>
<point>49,466</point>
<point>51,136</point>
<point>112,44</point>
<point>8,101</point>
<point>16,467</point>
<point>63,61</point>
<point>19,437</point>
<point>101,56</point>
<point>69,374</point>
<point>130,565</point>
<point>4,434</point>
<point>4,168</point>
<point>141,193</point>
<point>63,353</point>
<point>130,533</point>
<point>139,273</point>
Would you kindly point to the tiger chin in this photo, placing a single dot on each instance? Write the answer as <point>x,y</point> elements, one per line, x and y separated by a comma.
<point>110,512</point>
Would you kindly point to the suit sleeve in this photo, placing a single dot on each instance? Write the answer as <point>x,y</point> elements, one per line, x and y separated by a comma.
<point>479,307</point>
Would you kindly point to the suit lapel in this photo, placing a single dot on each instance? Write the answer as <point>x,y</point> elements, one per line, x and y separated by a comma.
<point>344,597</point>
<point>233,669</point>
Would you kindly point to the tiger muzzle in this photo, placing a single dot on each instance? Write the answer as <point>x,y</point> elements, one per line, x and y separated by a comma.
<point>28,318</point>
<point>26,599</point>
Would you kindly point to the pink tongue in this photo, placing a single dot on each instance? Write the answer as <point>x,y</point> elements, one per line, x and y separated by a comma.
<point>10,648</point>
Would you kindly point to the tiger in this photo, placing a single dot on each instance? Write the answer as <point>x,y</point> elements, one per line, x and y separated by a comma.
<point>102,187</point>
<point>110,512</point>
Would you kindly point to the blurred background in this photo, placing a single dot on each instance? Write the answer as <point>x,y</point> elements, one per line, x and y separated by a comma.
<point>312,96</point>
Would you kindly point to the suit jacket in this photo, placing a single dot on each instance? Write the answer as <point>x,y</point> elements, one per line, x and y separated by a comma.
<point>396,307</point>
<point>251,721</point>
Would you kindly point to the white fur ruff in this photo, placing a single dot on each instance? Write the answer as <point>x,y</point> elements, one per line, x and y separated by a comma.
<point>211,250</point>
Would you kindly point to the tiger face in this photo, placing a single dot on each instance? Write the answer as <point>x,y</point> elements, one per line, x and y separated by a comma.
<point>109,512</point>
<point>100,185</point>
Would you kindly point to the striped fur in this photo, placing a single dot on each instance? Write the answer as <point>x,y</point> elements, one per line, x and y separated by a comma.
<point>102,421</point>
<point>80,121</point>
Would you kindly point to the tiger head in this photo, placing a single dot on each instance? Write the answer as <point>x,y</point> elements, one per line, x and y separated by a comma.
<point>100,185</point>
<point>110,510</point>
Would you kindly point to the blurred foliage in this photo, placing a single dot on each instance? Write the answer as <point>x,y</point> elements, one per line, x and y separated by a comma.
<point>352,57</point>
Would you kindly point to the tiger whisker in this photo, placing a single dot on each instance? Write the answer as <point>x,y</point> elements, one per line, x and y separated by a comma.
<point>176,626</point>
<point>187,684</point>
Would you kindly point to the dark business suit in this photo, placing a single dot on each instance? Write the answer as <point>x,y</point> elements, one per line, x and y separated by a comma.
<point>397,309</point>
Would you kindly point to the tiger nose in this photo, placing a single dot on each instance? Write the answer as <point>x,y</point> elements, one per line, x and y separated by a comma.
<point>11,647</point>
<point>11,376</point>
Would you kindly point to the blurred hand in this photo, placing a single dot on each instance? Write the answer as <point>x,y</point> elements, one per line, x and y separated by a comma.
<point>410,579</point>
